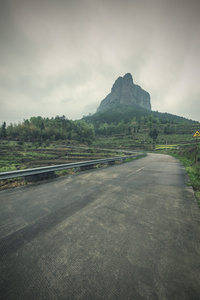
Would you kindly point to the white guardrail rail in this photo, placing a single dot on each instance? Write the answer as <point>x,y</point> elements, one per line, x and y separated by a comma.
<point>50,169</point>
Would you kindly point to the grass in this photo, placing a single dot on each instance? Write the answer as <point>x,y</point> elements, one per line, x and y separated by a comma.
<point>14,157</point>
<point>17,159</point>
<point>193,172</point>
<point>64,172</point>
<point>187,157</point>
<point>164,147</point>
<point>8,168</point>
<point>134,158</point>
<point>142,141</point>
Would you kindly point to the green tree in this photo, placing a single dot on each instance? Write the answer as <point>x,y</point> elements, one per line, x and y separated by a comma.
<point>153,134</point>
<point>157,121</point>
<point>149,125</point>
<point>3,130</point>
<point>168,129</point>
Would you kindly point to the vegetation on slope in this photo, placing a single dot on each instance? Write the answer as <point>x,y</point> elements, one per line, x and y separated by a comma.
<point>46,129</point>
<point>120,121</point>
<point>119,128</point>
<point>24,155</point>
<point>190,157</point>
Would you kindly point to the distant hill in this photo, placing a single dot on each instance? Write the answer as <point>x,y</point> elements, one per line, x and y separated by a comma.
<point>125,92</point>
<point>131,126</point>
<point>117,113</point>
<point>127,109</point>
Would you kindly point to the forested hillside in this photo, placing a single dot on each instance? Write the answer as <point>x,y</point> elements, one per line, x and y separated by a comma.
<point>127,120</point>
<point>46,129</point>
<point>134,123</point>
<point>39,141</point>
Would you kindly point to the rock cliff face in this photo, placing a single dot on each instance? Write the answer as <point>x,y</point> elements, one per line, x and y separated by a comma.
<point>124,91</point>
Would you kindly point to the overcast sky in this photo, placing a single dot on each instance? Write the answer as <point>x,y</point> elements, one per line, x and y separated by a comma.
<point>61,57</point>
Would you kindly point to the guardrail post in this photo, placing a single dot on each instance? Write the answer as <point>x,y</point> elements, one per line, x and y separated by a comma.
<point>77,169</point>
<point>41,176</point>
<point>85,168</point>
<point>111,162</point>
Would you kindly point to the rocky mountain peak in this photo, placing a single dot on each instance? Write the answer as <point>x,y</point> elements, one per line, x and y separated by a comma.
<point>124,91</point>
<point>125,81</point>
<point>128,78</point>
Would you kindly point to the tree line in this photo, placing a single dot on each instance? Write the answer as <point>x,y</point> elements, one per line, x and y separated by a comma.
<point>126,113</point>
<point>128,120</point>
<point>52,129</point>
<point>120,120</point>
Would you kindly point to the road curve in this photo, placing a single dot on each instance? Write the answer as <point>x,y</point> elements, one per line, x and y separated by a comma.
<point>130,231</point>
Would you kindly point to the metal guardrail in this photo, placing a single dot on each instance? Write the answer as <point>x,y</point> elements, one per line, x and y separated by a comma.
<point>40,170</point>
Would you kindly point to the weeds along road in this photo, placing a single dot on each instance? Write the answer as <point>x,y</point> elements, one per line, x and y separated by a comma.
<point>130,231</point>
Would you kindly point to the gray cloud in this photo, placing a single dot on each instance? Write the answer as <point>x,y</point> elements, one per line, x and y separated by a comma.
<point>62,57</point>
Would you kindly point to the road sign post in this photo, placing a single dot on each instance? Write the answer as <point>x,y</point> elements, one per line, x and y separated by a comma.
<point>196,135</point>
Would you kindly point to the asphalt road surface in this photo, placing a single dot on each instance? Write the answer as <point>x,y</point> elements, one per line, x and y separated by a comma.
<point>130,231</point>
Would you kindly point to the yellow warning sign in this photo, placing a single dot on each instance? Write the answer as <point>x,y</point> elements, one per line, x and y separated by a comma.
<point>197,134</point>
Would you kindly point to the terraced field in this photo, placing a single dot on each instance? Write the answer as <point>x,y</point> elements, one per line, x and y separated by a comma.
<point>17,156</point>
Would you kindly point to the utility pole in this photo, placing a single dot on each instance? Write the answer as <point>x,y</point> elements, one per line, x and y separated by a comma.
<point>196,152</point>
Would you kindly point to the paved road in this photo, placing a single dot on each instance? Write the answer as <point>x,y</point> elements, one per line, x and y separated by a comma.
<point>131,231</point>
